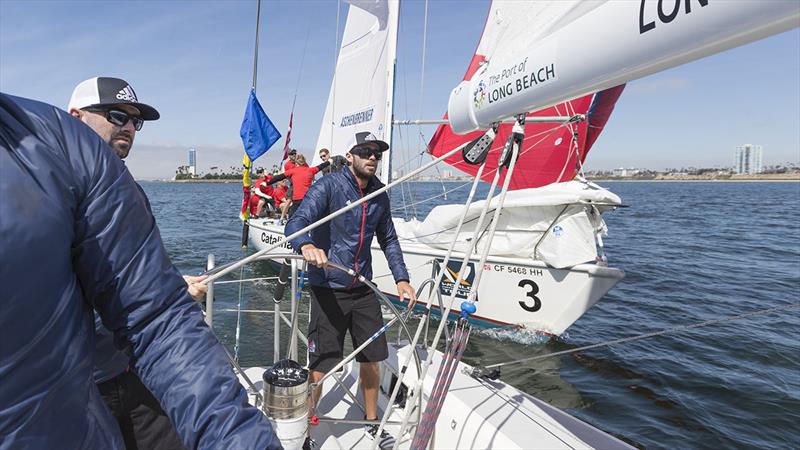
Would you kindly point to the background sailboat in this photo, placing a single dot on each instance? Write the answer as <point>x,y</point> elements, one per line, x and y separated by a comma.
<point>541,231</point>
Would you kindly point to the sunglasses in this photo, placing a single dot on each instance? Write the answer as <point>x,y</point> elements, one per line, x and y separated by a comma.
<point>366,152</point>
<point>119,117</point>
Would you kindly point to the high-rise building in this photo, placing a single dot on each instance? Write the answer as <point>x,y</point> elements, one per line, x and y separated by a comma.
<point>747,159</point>
<point>193,162</point>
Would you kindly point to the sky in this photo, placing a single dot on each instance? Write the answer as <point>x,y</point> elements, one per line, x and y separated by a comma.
<point>193,61</point>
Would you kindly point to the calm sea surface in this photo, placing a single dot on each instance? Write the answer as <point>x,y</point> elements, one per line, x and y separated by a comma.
<point>692,252</point>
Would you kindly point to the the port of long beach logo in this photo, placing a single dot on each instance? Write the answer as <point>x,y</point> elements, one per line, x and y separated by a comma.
<point>479,96</point>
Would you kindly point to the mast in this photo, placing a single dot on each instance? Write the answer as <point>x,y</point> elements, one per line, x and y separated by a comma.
<point>386,169</point>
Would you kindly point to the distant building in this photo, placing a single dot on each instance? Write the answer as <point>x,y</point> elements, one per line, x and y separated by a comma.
<point>193,162</point>
<point>623,172</point>
<point>447,174</point>
<point>747,159</point>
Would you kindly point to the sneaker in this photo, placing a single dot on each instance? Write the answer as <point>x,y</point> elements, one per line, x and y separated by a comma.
<point>385,441</point>
<point>309,444</point>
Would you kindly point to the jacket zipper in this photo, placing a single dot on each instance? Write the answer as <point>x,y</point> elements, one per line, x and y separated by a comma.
<point>361,235</point>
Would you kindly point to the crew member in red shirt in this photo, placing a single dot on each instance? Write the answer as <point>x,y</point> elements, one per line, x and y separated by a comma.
<point>301,177</point>
<point>266,204</point>
<point>261,183</point>
<point>290,163</point>
<point>282,201</point>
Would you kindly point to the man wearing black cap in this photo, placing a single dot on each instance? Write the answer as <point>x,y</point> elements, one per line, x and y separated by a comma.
<point>79,235</point>
<point>341,302</point>
<point>110,107</point>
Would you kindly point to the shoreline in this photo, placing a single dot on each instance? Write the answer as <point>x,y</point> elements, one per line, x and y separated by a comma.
<point>697,180</point>
<point>749,179</point>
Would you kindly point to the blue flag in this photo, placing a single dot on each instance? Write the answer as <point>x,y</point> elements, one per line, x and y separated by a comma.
<point>258,133</point>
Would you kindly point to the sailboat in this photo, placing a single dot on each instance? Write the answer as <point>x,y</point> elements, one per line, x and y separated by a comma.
<point>429,398</point>
<point>547,254</point>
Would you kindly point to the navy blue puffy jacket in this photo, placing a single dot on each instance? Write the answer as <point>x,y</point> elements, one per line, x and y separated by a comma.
<point>75,229</point>
<point>353,230</point>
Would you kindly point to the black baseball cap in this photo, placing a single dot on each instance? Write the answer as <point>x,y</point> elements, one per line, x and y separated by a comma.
<point>368,140</point>
<point>106,91</point>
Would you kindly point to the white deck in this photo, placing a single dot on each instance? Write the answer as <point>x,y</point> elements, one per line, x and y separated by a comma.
<point>476,414</point>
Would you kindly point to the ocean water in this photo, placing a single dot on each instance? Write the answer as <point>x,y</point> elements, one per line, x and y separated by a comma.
<point>692,252</point>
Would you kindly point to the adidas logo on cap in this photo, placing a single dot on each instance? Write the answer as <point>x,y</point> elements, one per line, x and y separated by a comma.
<point>107,91</point>
<point>127,94</point>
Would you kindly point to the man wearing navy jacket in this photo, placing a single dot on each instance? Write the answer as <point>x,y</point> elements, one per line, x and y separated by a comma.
<point>340,302</point>
<point>111,108</point>
<point>77,234</point>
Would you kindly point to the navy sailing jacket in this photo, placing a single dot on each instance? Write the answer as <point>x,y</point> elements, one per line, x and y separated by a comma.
<point>352,231</point>
<point>76,233</point>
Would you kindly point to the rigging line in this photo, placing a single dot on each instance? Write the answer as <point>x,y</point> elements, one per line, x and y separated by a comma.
<point>302,63</point>
<point>239,315</point>
<point>422,69</point>
<point>410,160</point>
<point>405,144</point>
<point>403,188</point>
<point>436,196</point>
<point>335,63</point>
<point>573,147</point>
<point>652,334</point>
<point>255,50</point>
<point>546,132</point>
<point>446,229</point>
<point>248,169</point>
<point>531,147</point>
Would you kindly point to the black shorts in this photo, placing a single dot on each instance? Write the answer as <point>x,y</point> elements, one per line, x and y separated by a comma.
<point>141,420</point>
<point>333,312</point>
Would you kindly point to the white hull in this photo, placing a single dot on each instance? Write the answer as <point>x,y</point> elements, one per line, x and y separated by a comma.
<point>476,414</point>
<point>514,291</point>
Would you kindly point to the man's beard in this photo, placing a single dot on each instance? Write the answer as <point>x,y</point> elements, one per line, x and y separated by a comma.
<point>121,147</point>
<point>360,171</point>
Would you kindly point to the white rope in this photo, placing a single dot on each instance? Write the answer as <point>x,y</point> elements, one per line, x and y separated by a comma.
<point>464,263</point>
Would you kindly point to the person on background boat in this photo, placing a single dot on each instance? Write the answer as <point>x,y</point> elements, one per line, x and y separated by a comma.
<point>262,203</point>
<point>103,252</point>
<point>301,177</point>
<point>336,163</point>
<point>341,302</point>
<point>280,196</point>
<point>290,161</point>
<point>109,106</point>
<point>290,164</point>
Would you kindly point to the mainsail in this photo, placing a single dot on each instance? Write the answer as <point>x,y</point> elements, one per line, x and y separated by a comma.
<point>551,152</point>
<point>360,99</point>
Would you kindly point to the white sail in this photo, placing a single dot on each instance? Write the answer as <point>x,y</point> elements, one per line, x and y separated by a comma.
<point>360,99</point>
<point>571,49</point>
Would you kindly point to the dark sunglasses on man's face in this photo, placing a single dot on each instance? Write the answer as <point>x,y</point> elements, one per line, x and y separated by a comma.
<point>365,152</point>
<point>119,117</point>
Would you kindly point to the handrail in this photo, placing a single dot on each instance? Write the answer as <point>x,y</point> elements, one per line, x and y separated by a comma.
<point>236,264</point>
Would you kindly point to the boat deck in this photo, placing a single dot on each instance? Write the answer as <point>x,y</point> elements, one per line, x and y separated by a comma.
<point>476,414</point>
